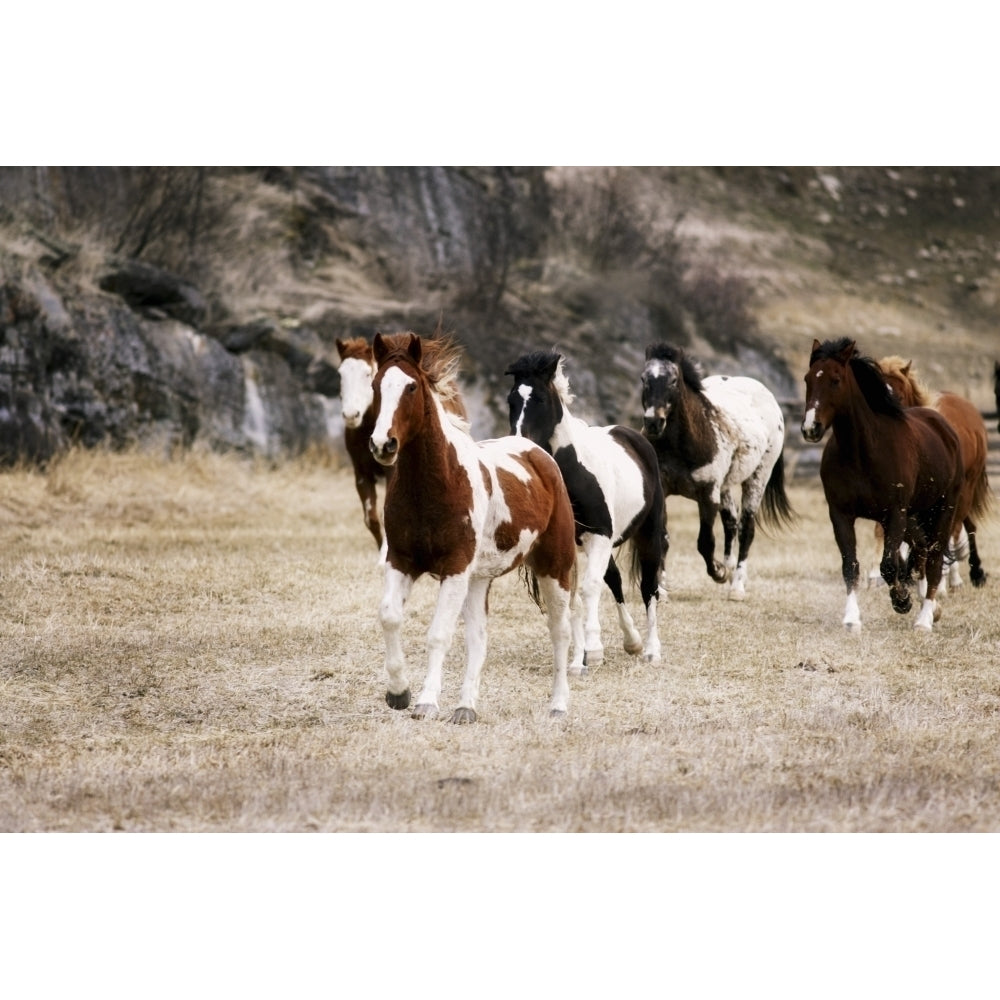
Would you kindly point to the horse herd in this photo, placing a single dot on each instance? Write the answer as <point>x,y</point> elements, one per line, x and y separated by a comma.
<point>557,496</point>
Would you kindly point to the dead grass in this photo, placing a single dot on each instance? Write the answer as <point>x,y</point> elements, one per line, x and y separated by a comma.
<point>193,646</point>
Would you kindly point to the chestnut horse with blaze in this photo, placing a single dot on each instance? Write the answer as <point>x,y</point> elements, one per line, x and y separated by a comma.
<point>899,467</point>
<point>466,512</point>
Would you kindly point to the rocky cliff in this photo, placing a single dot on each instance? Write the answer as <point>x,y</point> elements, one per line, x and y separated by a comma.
<point>183,305</point>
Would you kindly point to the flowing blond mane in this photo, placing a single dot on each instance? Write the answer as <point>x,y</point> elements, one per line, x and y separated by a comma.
<point>441,363</point>
<point>915,392</point>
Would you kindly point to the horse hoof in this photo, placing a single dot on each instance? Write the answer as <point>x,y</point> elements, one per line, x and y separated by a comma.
<point>937,612</point>
<point>577,671</point>
<point>978,579</point>
<point>652,657</point>
<point>424,712</point>
<point>853,627</point>
<point>901,605</point>
<point>633,648</point>
<point>464,716</point>
<point>592,657</point>
<point>719,573</point>
<point>737,595</point>
<point>398,701</point>
<point>557,713</point>
<point>921,627</point>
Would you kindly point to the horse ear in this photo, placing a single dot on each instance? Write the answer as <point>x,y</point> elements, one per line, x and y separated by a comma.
<point>414,349</point>
<point>905,370</point>
<point>549,372</point>
<point>341,348</point>
<point>379,348</point>
<point>848,352</point>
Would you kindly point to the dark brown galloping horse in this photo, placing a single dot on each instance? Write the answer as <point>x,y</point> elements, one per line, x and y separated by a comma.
<point>974,499</point>
<point>899,467</point>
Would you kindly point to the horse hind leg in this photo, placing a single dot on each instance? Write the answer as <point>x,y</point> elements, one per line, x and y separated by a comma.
<point>630,634</point>
<point>598,552</point>
<point>976,572</point>
<point>557,608</point>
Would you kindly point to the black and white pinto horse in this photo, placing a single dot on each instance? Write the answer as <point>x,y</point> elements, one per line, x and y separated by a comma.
<point>613,482</point>
<point>719,441</point>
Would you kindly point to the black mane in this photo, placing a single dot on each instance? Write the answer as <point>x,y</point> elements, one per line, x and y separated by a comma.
<point>866,372</point>
<point>690,369</point>
<point>538,363</point>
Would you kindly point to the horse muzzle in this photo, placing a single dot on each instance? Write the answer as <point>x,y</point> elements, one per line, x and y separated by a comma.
<point>385,454</point>
<point>654,426</point>
<point>812,431</point>
<point>352,420</point>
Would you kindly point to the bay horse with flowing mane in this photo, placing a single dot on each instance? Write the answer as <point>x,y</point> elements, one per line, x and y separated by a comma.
<point>975,498</point>
<point>719,442</point>
<point>466,512</point>
<point>357,370</point>
<point>900,467</point>
<point>613,481</point>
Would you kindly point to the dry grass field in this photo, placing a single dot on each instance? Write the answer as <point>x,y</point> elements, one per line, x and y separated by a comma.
<point>193,645</point>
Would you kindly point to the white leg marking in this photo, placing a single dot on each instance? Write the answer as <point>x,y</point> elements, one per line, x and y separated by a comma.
<point>652,652</point>
<point>576,626</point>
<point>557,608</point>
<point>852,613</point>
<point>738,591</point>
<point>451,598</point>
<point>925,620</point>
<point>630,634</point>
<point>598,549</point>
<point>394,595</point>
<point>474,612</point>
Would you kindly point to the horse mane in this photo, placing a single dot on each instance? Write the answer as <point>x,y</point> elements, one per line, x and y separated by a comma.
<point>538,364</point>
<point>866,371</point>
<point>902,369</point>
<point>690,369</point>
<point>440,362</point>
<point>354,347</point>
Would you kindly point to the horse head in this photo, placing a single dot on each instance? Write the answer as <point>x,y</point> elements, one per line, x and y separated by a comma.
<point>357,369</point>
<point>661,386</point>
<point>399,406</point>
<point>535,401</point>
<point>827,385</point>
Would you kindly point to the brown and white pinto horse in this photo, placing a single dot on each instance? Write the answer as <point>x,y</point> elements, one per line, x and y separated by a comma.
<point>466,512</point>
<point>357,369</point>
<point>899,467</point>
<point>974,499</point>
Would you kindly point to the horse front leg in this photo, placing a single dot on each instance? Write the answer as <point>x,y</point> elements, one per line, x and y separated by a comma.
<point>632,641</point>
<point>369,506</point>
<point>451,597</point>
<point>474,613</point>
<point>891,567</point>
<point>598,551</point>
<point>706,540</point>
<point>843,533</point>
<point>396,590</point>
<point>933,551</point>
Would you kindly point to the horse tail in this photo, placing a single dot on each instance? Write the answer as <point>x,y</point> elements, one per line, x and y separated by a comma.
<point>775,510</point>
<point>982,496</point>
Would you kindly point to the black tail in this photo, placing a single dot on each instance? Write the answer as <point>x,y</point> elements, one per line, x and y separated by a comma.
<point>775,509</point>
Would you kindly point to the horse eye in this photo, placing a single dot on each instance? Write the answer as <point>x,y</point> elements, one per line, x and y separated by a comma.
<point>412,387</point>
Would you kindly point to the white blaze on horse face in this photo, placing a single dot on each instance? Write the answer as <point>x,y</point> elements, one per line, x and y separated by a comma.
<point>394,384</point>
<point>355,390</point>
<point>524,391</point>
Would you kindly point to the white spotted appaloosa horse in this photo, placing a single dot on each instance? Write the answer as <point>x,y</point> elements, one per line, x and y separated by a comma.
<point>466,512</point>
<point>357,369</point>
<point>719,441</point>
<point>613,480</point>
